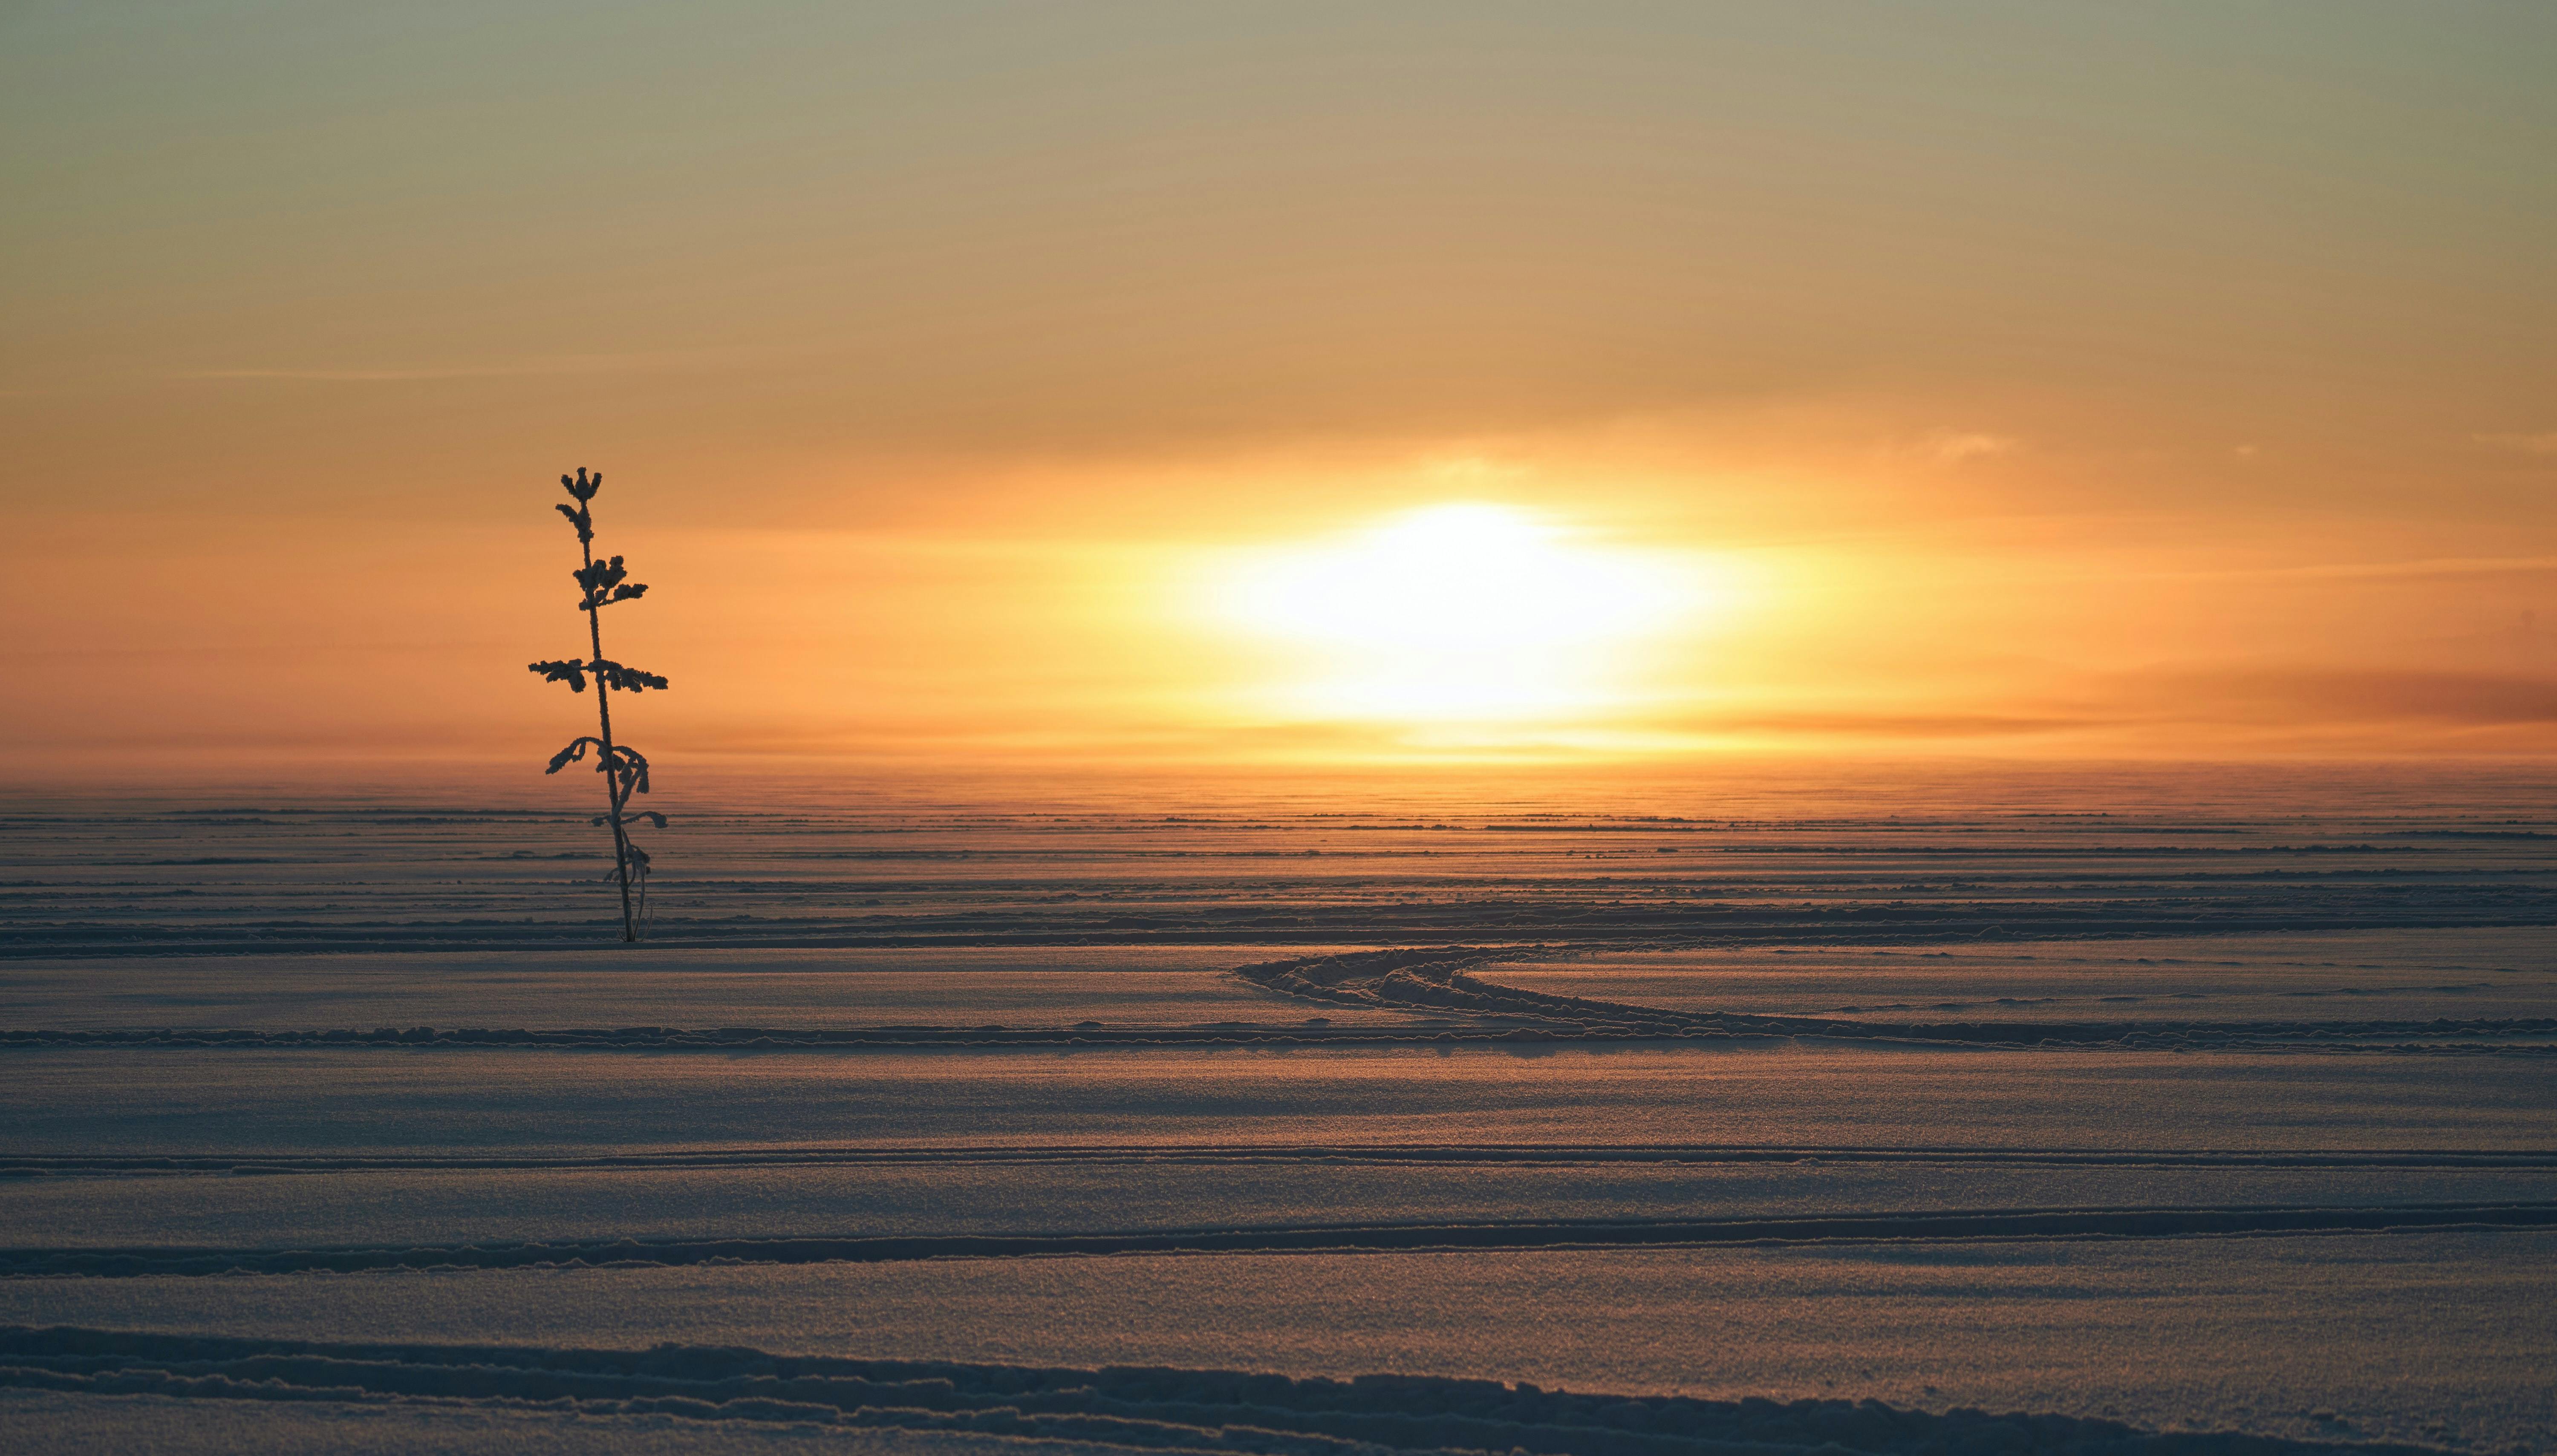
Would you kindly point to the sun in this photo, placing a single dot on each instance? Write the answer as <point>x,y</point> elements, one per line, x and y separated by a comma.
<point>1461,612</point>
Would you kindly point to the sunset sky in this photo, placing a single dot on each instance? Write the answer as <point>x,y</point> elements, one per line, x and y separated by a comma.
<point>1082,384</point>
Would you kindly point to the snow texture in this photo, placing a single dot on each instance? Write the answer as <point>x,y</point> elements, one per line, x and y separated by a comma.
<point>2213,1121</point>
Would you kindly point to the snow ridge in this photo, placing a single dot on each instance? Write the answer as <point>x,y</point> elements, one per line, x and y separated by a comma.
<point>1929,1227</point>
<point>1375,1154</point>
<point>1120,1407</point>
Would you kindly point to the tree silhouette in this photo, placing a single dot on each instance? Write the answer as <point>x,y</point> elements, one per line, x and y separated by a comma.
<point>624,768</point>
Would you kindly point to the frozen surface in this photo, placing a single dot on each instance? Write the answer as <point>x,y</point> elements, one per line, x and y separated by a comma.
<point>537,1103</point>
<point>2334,976</point>
<point>1135,1191</point>
<point>111,1426</point>
<point>661,986</point>
<point>1938,858</point>
<point>2235,1119</point>
<point>2393,1333</point>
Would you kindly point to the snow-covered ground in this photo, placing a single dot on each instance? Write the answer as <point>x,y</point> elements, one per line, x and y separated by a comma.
<point>2394,1332</point>
<point>2464,974</point>
<point>2185,1121</point>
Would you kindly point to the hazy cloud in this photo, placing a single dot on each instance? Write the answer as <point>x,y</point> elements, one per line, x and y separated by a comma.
<point>1885,724</point>
<point>2544,443</point>
<point>555,365</point>
<point>1952,447</point>
<point>2438,567</point>
<point>2326,695</point>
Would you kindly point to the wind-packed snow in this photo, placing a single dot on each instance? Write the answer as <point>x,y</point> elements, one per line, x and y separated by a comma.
<point>512,1103</point>
<point>2393,1333</point>
<point>664,986</point>
<point>2332,976</point>
<point>784,1196</point>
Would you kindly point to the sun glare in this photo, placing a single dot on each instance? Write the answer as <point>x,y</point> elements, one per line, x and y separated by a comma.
<point>1461,611</point>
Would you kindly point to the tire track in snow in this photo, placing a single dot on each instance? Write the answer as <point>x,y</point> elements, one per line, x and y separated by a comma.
<point>1442,978</point>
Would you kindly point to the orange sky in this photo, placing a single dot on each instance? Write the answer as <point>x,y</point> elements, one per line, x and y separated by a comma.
<point>2164,382</point>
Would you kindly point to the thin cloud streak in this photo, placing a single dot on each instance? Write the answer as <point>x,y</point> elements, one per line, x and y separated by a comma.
<point>2543,442</point>
<point>1952,447</point>
<point>549,367</point>
<point>2471,566</point>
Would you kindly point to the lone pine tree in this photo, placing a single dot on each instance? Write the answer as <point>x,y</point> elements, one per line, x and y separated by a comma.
<point>624,768</point>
